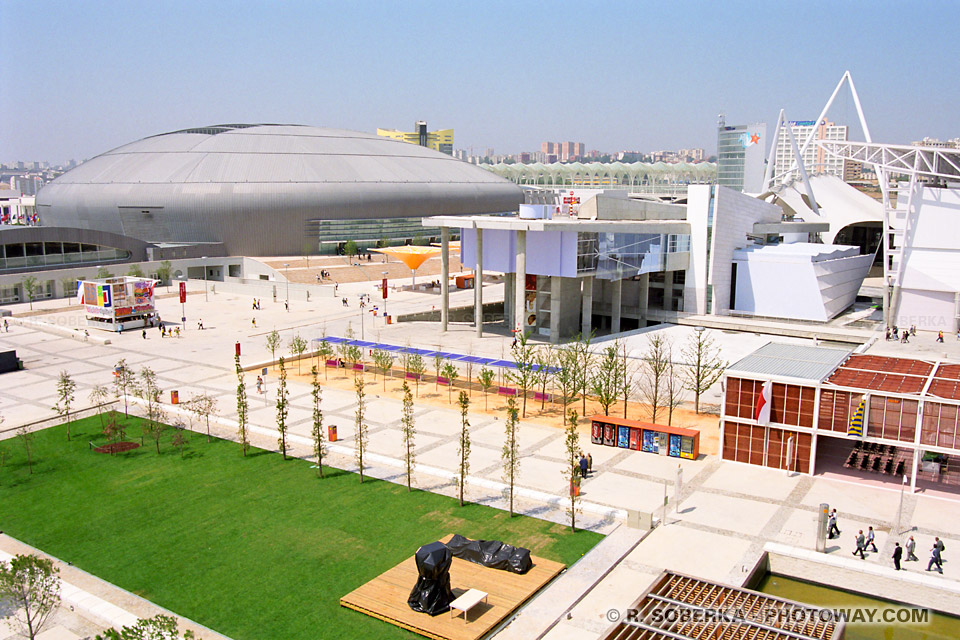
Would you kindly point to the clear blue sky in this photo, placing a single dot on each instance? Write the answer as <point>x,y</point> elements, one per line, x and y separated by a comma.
<point>79,78</point>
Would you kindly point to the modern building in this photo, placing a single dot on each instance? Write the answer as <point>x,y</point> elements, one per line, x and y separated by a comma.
<point>816,161</point>
<point>740,156</point>
<point>440,140</point>
<point>637,177</point>
<point>858,415</point>
<point>565,151</point>
<point>267,190</point>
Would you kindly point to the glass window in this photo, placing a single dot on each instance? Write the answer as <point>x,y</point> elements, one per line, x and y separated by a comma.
<point>14,250</point>
<point>88,247</point>
<point>34,249</point>
<point>52,248</point>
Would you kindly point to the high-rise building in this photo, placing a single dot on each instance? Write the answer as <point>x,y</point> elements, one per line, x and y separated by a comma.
<point>740,156</point>
<point>441,140</point>
<point>816,161</point>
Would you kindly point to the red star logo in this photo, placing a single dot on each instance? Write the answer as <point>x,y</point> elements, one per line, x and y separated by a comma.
<point>754,138</point>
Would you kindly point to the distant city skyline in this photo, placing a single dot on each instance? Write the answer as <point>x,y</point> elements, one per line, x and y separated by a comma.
<point>79,79</point>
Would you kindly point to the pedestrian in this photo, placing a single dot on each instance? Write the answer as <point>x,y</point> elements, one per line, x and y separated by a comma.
<point>286,305</point>
<point>178,331</point>
<point>6,328</point>
<point>589,463</point>
<point>871,536</point>
<point>896,335</point>
<point>833,531</point>
<point>200,324</point>
<point>888,334</point>
<point>253,305</point>
<point>259,384</point>
<point>860,545</point>
<point>940,337</point>
<point>583,465</point>
<point>935,560</point>
<point>161,329</point>
<point>254,323</point>
<point>144,334</point>
<point>913,330</point>
<point>905,338</point>
<point>897,554</point>
<point>911,547</point>
<point>938,543</point>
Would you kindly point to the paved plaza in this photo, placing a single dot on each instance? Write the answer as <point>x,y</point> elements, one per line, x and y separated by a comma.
<point>715,529</point>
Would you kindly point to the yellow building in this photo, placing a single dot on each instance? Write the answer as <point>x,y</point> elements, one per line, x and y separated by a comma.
<point>441,140</point>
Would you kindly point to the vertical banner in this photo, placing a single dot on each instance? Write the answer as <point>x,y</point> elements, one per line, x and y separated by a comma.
<point>383,286</point>
<point>183,292</point>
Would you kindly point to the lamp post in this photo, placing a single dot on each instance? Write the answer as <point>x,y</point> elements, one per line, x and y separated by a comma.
<point>383,293</point>
<point>900,509</point>
<point>286,274</point>
<point>206,295</point>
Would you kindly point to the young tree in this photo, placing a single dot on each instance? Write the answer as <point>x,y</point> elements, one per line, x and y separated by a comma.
<point>65,390</point>
<point>324,353</point>
<point>417,367</point>
<point>30,286</point>
<point>282,410</point>
<point>565,380</point>
<point>98,396</point>
<point>103,272</point>
<point>26,437</point>
<point>343,348</point>
<point>164,271</point>
<point>409,431</point>
<point>438,361</point>
<point>656,360</point>
<point>605,380</point>
<point>384,361</point>
<point>124,382</point>
<point>135,271</point>
<point>150,392</point>
<point>584,363</point>
<point>463,444</point>
<point>350,248</point>
<point>297,346</point>
<point>360,438</point>
<point>486,381</point>
<point>273,343</point>
<point>449,372</point>
<point>704,365</point>
<point>203,406</point>
<point>627,375</point>
<point>179,439</point>
<point>511,449</point>
<point>243,408</point>
<point>524,376</point>
<point>571,472</point>
<point>316,430</point>
<point>32,585</point>
<point>544,360</point>
<point>673,388</point>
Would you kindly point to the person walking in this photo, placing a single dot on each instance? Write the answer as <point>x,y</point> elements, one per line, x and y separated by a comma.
<point>897,554</point>
<point>254,323</point>
<point>860,545</point>
<point>6,328</point>
<point>935,560</point>
<point>200,324</point>
<point>833,531</point>
<point>940,336</point>
<point>589,463</point>
<point>144,334</point>
<point>286,305</point>
<point>938,543</point>
<point>871,536</point>
<point>259,384</point>
<point>911,548</point>
<point>583,465</point>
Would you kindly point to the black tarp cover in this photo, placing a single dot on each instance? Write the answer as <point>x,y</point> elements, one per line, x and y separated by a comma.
<point>491,553</point>
<point>432,593</point>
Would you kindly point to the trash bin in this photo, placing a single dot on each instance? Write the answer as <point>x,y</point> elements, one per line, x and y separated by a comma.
<point>389,319</point>
<point>332,433</point>
<point>575,487</point>
<point>174,397</point>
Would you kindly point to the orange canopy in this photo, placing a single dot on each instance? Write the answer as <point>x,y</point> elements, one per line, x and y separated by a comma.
<point>410,255</point>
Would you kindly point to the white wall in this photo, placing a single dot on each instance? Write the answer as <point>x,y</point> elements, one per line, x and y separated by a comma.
<point>549,253</point>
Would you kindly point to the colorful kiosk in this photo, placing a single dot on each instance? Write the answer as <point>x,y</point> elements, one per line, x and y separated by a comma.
<point>119,303</point>
<point>645,436</point>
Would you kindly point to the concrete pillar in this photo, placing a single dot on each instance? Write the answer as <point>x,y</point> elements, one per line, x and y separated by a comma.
<point>668,291</point>
<point>444,277</point>
<point>478,286</point>
<point>615,304</point>
<point>521,283</point>
<point>586,312</point>
<point>643,294</point>
<point>509,281</point>
<point>555,295</point>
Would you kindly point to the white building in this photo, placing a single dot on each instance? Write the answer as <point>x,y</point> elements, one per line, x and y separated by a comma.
<point>815,159</point>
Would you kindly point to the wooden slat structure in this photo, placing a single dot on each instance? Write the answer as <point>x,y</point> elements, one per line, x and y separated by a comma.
<point>385,597</point>
<point>678,607</point>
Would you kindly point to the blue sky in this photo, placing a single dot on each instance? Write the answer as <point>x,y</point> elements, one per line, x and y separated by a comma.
<point>79,78</point>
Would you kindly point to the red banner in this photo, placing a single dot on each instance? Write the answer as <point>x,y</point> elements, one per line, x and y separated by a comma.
<point>183,292</point>
<point>383,285</point>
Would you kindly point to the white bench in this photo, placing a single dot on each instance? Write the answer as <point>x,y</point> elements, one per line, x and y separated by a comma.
<point>467,601</point>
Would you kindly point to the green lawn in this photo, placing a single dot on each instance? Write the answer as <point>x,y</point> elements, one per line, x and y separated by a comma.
<point>253,547</point>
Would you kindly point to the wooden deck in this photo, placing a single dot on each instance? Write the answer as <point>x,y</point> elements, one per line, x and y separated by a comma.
<point>385,597</point>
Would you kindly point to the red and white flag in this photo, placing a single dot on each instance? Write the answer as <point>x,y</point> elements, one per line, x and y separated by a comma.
<point>764,402</point>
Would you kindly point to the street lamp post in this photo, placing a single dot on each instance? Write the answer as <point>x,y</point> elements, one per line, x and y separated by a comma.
<point>286,274</point>
<point>900,509</point>
<point>206,295</point>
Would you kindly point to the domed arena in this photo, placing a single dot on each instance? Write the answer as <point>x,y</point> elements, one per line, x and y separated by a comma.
<point>264,189</point>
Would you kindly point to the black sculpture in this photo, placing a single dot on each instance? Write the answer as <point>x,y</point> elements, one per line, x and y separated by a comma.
<point>432,593</point>
<point>491,553</point>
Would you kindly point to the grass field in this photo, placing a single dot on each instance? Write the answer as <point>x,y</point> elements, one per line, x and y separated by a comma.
<point>252,547</point>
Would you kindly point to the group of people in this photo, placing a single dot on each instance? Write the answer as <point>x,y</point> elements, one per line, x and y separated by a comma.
<point>904,336</point>
<point>256,304</point>
<point>867,542</point>
<point>586,464</point>
<point>175,331</point>
<point>324,275</point>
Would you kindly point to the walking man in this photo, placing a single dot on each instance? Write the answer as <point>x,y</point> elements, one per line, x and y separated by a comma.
<point>583,465</point>
<point>938,543</point>
<point>911,547</point>
<point>860,545</point>
<point>833,531</point>
<point>144,334</point>
<point>935,559</point>
<point>897,554</point>
<point>870,539</point>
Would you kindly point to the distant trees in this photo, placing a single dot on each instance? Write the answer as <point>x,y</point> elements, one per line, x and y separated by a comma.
<point>30,285</point>
<point>273,343</point>
<point>65,390</point>
<point>409,431</point>
<point>704,365</point>
<point>150,392</point>
<point>316,430</point>
<point>544,371</point>
<point>383,361</point>
<point>360,438</point>
<point>605,379</point>
<point>656,361</point>
<point>486,377</point>
<point>32,585</point>
<point>626,376</point>
<point>350,248</point>
<point>297,346</point>
<point>571,472</point>
<point>510,456</point>
<point>282,410</point>
<point>566,378</point>
<point>417,368</point>
<point>524,376</point>
<point>674,388</point>
<point>463,445</point>
<point>438,361</point>
<point>124,382</point>
<point>135,271</point>
<point>243,407</point>
<point>98,396</point>
<point>449,372</point>
<point>324,353</point>
<point>164,271</point>
<point>103,272</point>
<point>203,406</point>
<point>582,363</point>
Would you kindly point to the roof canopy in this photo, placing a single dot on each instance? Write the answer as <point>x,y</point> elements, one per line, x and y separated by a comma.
<point>410,255</point>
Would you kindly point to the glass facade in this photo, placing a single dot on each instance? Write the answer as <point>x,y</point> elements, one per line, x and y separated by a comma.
<point>614,256</point>
<point>367,232</point>
<point>20,255</point>
<point>731,156</point>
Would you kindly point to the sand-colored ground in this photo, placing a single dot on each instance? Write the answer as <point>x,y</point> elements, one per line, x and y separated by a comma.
<point>548,413</point>
<point>343,269</point>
